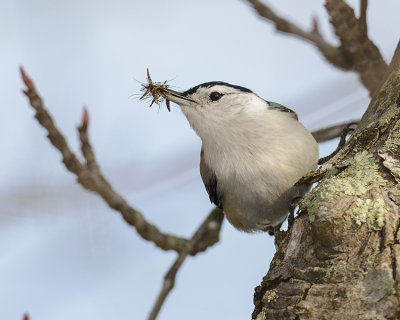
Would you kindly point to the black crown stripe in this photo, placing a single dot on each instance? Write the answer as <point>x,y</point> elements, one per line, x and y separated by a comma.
<point>212,84</point>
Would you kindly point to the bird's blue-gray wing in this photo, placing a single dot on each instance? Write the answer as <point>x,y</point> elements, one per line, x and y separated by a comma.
<point>210,182</point>
<point>277,106</point>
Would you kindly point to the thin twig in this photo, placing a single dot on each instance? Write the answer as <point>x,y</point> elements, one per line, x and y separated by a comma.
<point>209,228</point>
<point>333,54</point>
<point>86,148</point>
<point>90,177</point>
<point>346,130</point>
<point>340,130</point>
<point>331,132</point>
<point>363,17</point>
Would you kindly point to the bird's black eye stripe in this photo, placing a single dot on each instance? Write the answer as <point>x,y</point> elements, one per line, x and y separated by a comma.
<point>215,96</point>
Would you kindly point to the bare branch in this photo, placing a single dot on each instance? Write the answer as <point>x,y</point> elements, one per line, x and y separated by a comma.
<point>45,119</point>
<point>91,178</point>
<point>332,132</point>
<point>366,58</point>
<point>210,228</point>
<point>356,51</point>
<point>334,55</point>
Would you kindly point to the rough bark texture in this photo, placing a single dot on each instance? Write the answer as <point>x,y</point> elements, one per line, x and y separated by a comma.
<point>341,257</point>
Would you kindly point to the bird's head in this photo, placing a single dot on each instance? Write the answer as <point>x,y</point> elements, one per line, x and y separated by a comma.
<point>217,104</point>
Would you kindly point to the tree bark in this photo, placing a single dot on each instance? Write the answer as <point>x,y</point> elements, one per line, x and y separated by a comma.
<point>341,257</point>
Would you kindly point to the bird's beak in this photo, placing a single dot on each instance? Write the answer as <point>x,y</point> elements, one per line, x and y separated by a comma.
<point>177,97</point>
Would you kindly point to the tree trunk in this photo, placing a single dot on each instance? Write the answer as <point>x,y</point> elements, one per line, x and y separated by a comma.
<point>341,257</point>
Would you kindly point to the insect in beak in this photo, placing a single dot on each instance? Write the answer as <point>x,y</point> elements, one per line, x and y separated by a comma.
<point>156,90</point>
<point>159,91</point>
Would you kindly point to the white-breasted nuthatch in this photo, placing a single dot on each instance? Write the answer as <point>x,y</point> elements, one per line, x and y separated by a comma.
<point>253,152</point>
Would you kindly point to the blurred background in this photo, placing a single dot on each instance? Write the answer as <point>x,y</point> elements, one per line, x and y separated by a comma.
<point>63,253</point>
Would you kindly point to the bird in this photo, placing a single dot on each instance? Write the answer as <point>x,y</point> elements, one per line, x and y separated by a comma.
<point>253,152</point>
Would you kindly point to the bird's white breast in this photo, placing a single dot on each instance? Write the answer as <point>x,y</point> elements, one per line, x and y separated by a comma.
<point>257,160</point>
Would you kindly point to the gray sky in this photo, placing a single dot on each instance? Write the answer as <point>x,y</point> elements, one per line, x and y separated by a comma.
<point>63,253</point>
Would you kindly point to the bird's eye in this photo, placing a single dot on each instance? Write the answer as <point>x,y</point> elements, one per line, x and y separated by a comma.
<point>215,96</point>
